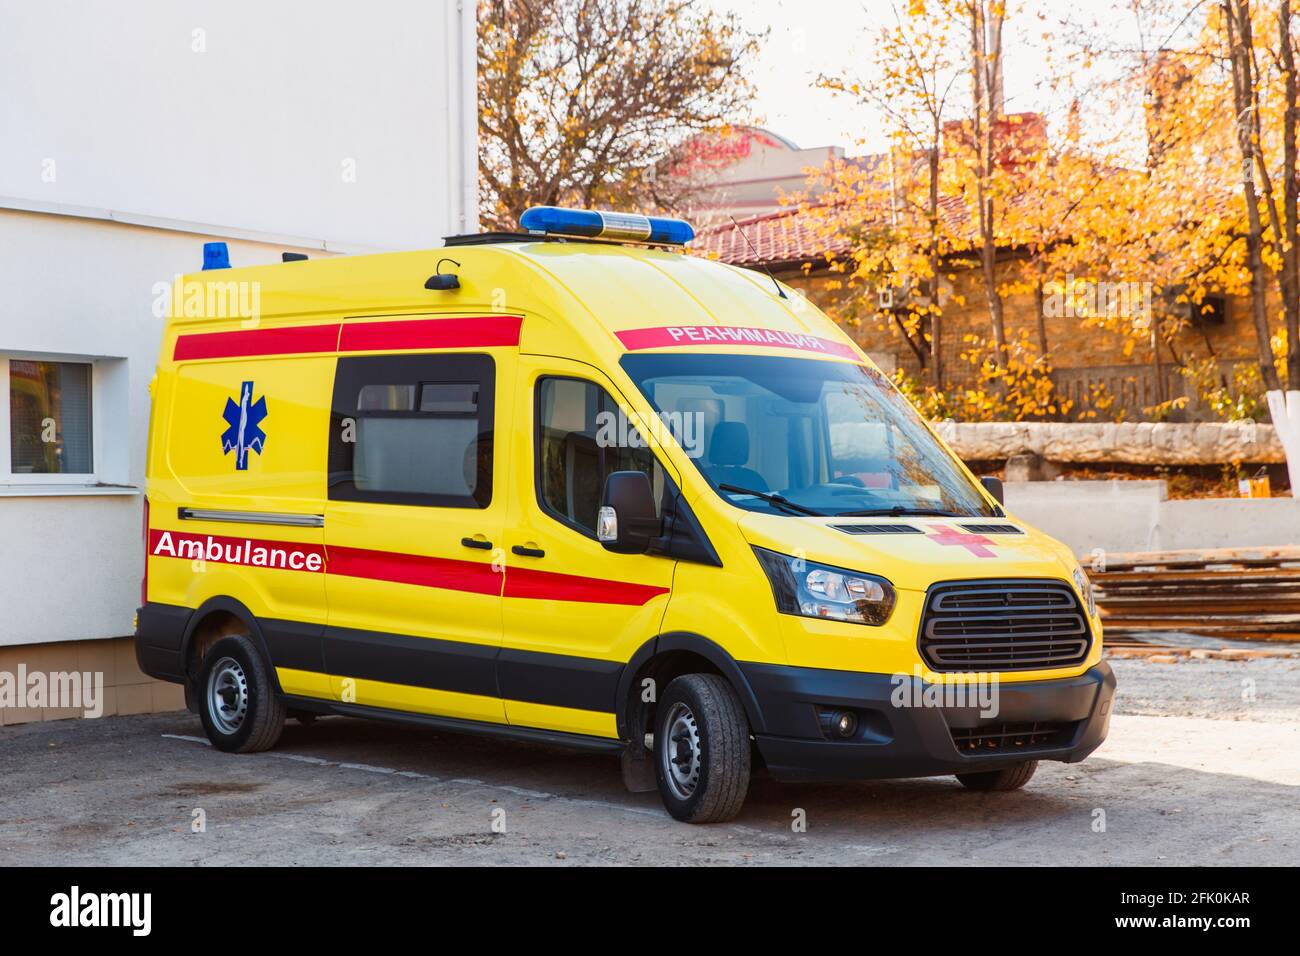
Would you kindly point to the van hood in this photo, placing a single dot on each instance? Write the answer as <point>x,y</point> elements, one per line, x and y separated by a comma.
<point>915,552</point>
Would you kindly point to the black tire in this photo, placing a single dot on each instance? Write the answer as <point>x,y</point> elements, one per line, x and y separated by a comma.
<point>712,763</point>
<point>1012,778</point>
<point>251,715</point>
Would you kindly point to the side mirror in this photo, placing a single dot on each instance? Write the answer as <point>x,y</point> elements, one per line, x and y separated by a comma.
<point>993,485</point>
<point>627,522</point>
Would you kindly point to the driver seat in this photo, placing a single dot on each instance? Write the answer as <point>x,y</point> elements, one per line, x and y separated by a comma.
<point>728,452</point>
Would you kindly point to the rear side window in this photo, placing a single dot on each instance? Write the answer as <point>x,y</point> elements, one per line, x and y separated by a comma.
<point>581,439</point>
<point>413,430</point>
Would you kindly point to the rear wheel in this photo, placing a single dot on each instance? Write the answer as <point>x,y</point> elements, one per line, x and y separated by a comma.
<point>238,705</point>
<point>1012,778</point>
<point>702,749</point>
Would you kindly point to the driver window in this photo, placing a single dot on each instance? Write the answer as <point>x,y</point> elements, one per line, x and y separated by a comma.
<point>582,439</point>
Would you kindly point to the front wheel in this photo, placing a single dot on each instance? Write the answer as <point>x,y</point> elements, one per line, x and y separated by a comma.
<point>237,700</point>
<point>702,749</point>
<point>1012,778</point>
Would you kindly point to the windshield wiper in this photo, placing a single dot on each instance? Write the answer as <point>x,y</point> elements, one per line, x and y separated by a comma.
<point>898,511</point>
<point>777,500</point>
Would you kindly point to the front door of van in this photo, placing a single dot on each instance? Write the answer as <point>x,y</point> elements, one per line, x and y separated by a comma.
<point>574,612</point>
<point>416,509</point>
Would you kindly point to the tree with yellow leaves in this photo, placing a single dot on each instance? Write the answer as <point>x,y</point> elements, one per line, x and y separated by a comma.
<point>587,102</point>
<point>943,199</point>
<point>1214,211</point>
<point>1200,202</point>
<point>892,210</point>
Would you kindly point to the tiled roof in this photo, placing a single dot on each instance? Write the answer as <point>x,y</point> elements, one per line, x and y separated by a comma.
<point>779,238</point>
<point>792,236</point>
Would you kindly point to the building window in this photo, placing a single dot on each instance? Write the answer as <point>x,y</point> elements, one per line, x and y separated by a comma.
<point>50,418</point>
<point>413,430</point>
<point>581,441</point>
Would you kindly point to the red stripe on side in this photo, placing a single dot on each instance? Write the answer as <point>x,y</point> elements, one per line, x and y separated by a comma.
<point>552,586</point>
<point>447,573</point>
<point>484,331</point>
<point>247,342</point>
<point>712,336</point>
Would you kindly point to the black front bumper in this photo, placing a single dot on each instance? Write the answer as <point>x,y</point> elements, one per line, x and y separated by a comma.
<point>917,741</point>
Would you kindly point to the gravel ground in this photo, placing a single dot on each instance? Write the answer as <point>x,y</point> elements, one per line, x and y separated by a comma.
<point>1185,787</point>
<point>1265,690</point>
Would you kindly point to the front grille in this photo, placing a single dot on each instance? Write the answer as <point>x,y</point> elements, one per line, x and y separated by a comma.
<point>1002,626</point>
<point>1000,738</point>
<point>876,528</point>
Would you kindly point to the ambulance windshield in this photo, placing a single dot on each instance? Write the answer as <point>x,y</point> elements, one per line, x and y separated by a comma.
<point>804,436</point>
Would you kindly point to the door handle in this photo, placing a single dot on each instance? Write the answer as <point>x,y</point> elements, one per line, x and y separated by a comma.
<point>476,543</point>
<point>528,552</point>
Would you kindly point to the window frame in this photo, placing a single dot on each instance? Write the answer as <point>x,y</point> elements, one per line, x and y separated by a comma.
<point>538,494</point>
<point>8,477</point>
<point>480,368</point>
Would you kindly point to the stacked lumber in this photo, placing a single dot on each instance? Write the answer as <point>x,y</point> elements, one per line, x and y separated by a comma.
<point>1127,649</point>
<point>1244,593</point>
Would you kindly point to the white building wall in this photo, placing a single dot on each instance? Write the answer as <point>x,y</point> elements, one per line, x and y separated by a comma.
<point>354,123</point>
<point>132,133</point>
<point>764,167</point>
<point>84,290</point>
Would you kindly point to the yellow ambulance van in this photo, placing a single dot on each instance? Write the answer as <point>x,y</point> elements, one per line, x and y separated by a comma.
<point>570,485</point>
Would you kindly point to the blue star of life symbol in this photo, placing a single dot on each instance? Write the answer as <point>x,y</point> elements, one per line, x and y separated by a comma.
<point>244,432</point>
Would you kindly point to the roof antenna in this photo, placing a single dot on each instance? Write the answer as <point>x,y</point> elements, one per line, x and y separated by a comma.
<point>779,290</point>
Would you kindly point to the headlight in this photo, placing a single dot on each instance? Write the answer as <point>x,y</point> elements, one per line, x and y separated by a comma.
<point>818,590</point>
<point>1084,585</point>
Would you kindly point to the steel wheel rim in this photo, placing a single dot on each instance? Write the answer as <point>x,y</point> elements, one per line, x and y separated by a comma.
<point>681,754</point>
<point>228,695</point>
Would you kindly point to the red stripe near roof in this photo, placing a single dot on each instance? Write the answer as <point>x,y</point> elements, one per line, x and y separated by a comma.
<point>450,574</point>
<point>484,331</point>
<point>476,332</point>
<point>246,342</point>
<point>712,336</point>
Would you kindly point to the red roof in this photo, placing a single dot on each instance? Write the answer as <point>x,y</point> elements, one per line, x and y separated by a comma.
<point>805,234</point>
<point>791,237</point>
<point>784,237</point>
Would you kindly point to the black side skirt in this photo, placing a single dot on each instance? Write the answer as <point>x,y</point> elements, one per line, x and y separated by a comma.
<point>456,725</point>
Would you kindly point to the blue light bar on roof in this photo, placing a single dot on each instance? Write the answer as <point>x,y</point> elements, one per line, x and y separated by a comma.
<point>617,226</point>
<point>215,256</point>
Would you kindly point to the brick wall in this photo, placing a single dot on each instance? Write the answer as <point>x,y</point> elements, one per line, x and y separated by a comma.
<point>126,690</point>
<point>1080,354</point>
